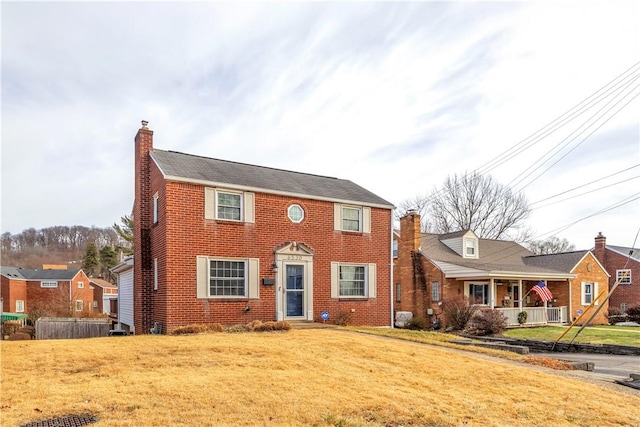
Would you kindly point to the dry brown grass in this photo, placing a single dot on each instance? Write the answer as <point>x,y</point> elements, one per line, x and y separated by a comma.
<point>300,377</point>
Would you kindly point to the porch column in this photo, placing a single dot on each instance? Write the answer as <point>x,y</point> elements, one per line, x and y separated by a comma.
<point>520,295</point>
<point>494,292</point>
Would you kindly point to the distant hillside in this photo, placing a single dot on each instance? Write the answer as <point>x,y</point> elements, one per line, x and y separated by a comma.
<point>54,245</point>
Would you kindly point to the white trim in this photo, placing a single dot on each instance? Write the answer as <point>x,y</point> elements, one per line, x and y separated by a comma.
<point>370,280</point>
<point>49,284</point>
<point>251,277</point>
<point>630,276</point>
<point>80,285</point>
<point>289,215</point>
<point>218,192</point>
<point>20,308</point>
<point>594,293</point>
<point>276,192</point>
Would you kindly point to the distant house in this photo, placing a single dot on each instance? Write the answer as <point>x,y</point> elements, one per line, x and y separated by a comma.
<point>105,296</point>
<point>497,274</point>
<point>225,242</point>
<point>49,291</point>
<point>623,265</point>
<point>124,308</point>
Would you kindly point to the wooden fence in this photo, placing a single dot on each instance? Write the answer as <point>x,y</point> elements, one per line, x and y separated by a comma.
<point>48,328</point>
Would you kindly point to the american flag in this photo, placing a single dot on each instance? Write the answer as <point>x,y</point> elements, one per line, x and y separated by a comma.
<point>543,292</point>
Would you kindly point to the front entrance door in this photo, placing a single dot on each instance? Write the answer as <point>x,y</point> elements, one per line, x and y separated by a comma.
<point>515,295</point>
<point>294,291</point>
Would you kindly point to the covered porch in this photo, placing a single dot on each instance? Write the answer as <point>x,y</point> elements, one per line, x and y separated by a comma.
<point>511,296</point>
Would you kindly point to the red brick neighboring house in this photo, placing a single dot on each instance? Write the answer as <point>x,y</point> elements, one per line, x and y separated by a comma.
<point>497,274</point>
<point>104,293</point>
<point>225,242</point>
<point>55,291</point>
<point>623,265</point>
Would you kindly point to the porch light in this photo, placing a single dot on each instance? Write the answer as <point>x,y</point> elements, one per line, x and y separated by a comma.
<point>274,267</point>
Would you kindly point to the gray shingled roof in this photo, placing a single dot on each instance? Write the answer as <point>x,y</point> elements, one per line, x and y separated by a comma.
<point>33,274</point>
<point>564,262</point>
<point>499,255</point>
<point>190,167</point>
<point>625,251</point>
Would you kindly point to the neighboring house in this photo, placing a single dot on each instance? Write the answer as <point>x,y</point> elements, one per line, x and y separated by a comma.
<point>47,291</point>
<point>497,274</point>
<point>623,265</point>
<point>217,241</point>
<point>105,296</point>
<point>124,308</point>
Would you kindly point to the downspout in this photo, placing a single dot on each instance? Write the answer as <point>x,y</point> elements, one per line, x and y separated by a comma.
<point>569,314</point>
<point>391,271</point>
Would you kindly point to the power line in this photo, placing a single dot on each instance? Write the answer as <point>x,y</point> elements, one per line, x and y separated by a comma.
<point>584,185</point>
<point>585,193</point>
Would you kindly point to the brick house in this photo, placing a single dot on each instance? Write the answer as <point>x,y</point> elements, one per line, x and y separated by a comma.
<point>104,293</point>
<point>497,274</point>
<point>226,242</point>
<point>54,291</point>
<point>623,265</point>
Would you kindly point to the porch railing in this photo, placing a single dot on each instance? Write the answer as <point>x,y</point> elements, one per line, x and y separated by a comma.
<point>535,315</point>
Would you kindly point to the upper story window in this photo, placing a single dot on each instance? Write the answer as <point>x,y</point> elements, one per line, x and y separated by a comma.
<point>470,248</point>
<point>395,249</point>
<point>295,213</point>
<point>623,277</point>
<point>228,205</point>
<point>80,285</point>
<point>155,208</point>
<point>352,218</point>
<point>48,284</point>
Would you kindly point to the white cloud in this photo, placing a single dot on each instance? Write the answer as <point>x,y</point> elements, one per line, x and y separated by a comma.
<point>394,96</point>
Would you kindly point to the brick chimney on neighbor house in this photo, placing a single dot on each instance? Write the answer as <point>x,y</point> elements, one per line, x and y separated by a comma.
<point>143,218</point>
<point>599,249</point>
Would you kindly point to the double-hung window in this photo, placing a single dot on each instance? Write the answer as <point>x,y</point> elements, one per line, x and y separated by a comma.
<point>588,291</point>
<point>352,218</point>
<point>229,206</point>
<point>48,284</point>
<point>623,277</point>
<point>80,285</point>
<point>155,208</point>
<point>79,305</point>
<point>19,306</point>
<point>352,281</point>
<point>227,278</point>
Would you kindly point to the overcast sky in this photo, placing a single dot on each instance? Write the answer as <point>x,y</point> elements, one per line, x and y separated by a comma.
<point>393,96</point>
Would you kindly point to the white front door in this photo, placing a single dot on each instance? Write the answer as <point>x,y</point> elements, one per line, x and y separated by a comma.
<point>294,290</point>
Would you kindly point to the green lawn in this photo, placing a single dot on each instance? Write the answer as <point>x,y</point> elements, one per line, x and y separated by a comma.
<point>605,334</point>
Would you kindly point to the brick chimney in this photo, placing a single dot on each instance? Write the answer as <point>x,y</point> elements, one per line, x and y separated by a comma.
<point>142,222</point>
<point>409,232</point>
<point>599,249</point>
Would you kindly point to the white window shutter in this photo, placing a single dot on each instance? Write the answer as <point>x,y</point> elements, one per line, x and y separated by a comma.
<point>254,277</point>
<point>366,220</point>
<point>334,280</point>
<point>372,280</point>
<point>202,275</point>
<point>595,292</point>
<point>209,203</point>
<point>337,216</point>
<point>249,207</point>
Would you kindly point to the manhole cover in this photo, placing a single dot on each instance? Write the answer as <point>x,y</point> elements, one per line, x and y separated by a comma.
<point>68,421</point>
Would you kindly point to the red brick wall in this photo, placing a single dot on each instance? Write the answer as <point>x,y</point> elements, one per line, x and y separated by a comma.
<point>627,294</point>
<point>596,274</point>
<point>11,291</point>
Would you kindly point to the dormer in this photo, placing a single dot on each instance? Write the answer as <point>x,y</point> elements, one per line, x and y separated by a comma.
<point>464,243</point>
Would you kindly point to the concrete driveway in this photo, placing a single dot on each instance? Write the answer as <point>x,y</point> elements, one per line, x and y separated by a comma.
<point>606,366</point>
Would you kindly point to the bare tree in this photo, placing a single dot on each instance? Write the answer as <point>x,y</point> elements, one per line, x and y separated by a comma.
<point>475,202</point>
<point>551,245</point>
<point>419,204</point>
